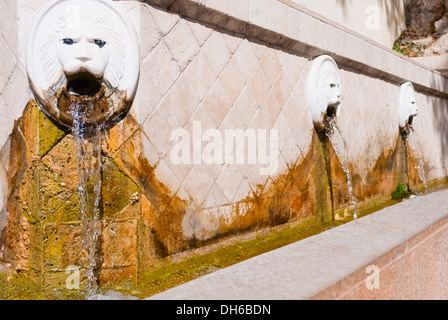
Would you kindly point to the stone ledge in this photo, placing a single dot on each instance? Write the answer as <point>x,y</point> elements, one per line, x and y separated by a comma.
<point>333,265</point>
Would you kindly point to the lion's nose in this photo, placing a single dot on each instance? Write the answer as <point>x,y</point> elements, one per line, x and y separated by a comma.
<point>84,53</point>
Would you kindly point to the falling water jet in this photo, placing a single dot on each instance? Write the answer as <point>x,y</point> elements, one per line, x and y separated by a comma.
<point>88,148</point>
<point>407,111</point>
<point>324,97</point>
<point>331,128</point>
<point>420,166</point>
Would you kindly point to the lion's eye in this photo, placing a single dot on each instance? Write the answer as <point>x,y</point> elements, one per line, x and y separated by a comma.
<point>100,43</point>
<point>67,41</point>
<point>332,85</point>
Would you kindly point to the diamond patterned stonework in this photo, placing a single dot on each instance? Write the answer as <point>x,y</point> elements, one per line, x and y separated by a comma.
<point>225,76</point>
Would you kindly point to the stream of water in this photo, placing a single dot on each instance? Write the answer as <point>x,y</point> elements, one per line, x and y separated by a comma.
<point>345,163</point>
<point>88,149</point>
<point>420,164</point>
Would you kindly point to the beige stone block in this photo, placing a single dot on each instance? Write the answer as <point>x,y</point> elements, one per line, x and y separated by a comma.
<point>306,34</point>
<point>230,79</point>
<point>204,224</point>
<point>283,56</point>
<point>256,181</point>
<point>217,52</point>
<point>242,112</point>
<point>149,152</point>
<point>180,170</point>
<point>292,23</point>
<point>330,36</point>
<point>229,180</point>
<point>259,12</point>
<point>213,109</point>
<point>8,26</point>
<point>198,183</point>
<point>271,65</point>
<point>159,71</point>
<point>162,117</point>
<point>293,70</point>
<point>243,191</point>
<point>200,66</point>
<point>281,90</point>
<point>17,92</point>
<point>164,174</point>
<point>7,65</point>
<point>303,131</point>
<point>144,103</point>
<point>267,115</point>
<point>6,122</point>
<point>379,58</point>
<point>259,48</point>
<point>277,16</point>
<point>258,85</point>
<point>150,33</point>
<point>239,9</point>
<point>182,43</point>
<point>215,198</point>
<point>164,20</point>
<point>246,59</point>
<point>182,100</point>
<point>232,41</point>
<point>201,32</point>
<point>284,132</point>
<point>342,48</point>
<point>219,5</point>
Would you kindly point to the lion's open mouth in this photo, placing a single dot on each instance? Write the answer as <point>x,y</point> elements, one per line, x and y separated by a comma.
<point>331,111</point>
<point>83,84</point>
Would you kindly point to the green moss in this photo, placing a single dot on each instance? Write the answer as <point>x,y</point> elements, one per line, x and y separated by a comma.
<point>19,287</point>
<point>402,192</point>
<point>117,189</point>
<point>48,134</point>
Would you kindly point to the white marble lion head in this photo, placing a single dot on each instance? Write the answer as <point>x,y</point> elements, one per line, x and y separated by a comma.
<point>83,48</point>
<point>408,108</point>
<point>324,90</point>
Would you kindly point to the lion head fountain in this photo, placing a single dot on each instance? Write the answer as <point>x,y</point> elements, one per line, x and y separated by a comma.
<point>84,52</point>
<point>407,108</point>
<point>324,91</point>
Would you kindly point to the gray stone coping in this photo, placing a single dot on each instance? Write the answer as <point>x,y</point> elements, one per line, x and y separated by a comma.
<point>305,269</point>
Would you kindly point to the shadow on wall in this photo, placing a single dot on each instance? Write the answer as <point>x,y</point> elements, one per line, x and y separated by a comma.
<point>392,9</point>
<point>394,14</point>
<point>440,110</point>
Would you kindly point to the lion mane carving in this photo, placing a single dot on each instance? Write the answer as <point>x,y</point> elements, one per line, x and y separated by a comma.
<point>324,90</point>
<point>84,51</point>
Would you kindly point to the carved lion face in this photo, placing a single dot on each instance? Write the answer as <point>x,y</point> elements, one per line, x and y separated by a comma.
<point>332,89</point>
<point>324,91</point>
<point>84,51</point>
<point>83,48</point>
<point>408,108</point>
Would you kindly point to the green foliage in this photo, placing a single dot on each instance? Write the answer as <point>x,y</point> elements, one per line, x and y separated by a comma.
<point>397,47</point>
<point>401,192</point>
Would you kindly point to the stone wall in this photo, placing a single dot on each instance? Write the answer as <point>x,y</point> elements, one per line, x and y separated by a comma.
<point>211,66</point>
<point>424,18</point>
<point>380,20</point>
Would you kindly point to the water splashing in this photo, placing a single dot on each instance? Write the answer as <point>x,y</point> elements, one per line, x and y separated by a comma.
<point>420,166</point>
<point>331,129</point>
<point>88,147</point>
